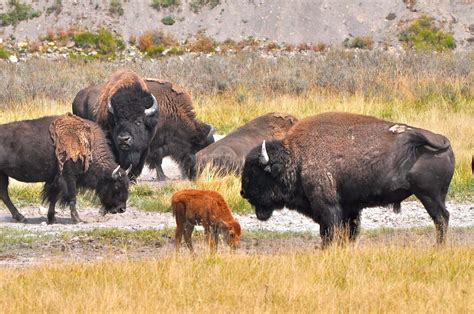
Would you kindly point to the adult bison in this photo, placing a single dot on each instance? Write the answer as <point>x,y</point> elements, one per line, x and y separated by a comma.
<point>228,154</point>
<point>180,135</point>
<point>128,113</point>
<point>66,153</point>
<point>331,166</point>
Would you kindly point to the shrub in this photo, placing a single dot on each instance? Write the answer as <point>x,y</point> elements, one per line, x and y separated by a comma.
<point>150,38</point>
<point>361,42</point>
<point>4,53</point>
<point>197,5</point>
<point>145,41</point>
<point>168,20</point>
<point>155,50</point>
<point>56,8</point>
<point>202,43</point>
<point>116,8</point>
<point>423,34</point>
<point>158,4</point>
<point>18,12</point>
<point>104,41</point>
<point>319,47</point>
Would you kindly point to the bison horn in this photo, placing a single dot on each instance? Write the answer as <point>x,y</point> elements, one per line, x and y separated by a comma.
<point>264,159</point>
<point>115,173</point>
<point>211,132</point>
<point>109,107</point>
<point>153,108</point>
<point>128,170</point>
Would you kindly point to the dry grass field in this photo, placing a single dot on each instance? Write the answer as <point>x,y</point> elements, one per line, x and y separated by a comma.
<point>432,91</point>
<point>373,279</point>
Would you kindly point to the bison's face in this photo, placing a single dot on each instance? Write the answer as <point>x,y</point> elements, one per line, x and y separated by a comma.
<point>262,188</point>
<point>232,234</point>
<point>132,120</point>
<point>203,138</point>
<point>113,191</point>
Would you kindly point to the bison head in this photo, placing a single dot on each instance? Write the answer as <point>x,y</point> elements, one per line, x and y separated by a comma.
<point>132,121</point>
<point>203,137</point>
<point>263,183</point>
<point>112,190</point>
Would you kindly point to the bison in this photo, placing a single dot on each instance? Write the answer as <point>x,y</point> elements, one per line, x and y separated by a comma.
<point>209,209</point>
<point>228,154</point>
<point>30,152</point>
<point>331,166</point>
<point>128,113</point>
<point>180,135</point>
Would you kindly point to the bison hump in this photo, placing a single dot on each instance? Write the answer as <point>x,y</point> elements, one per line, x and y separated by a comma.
<point>72,140</point>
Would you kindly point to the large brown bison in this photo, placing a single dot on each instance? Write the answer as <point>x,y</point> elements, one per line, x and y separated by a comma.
<point>331,166</point>
<point>30,152</point>
<point>206,208</point>
<point>128,113</point>
<point>180,135</point>
<point>228,154</point>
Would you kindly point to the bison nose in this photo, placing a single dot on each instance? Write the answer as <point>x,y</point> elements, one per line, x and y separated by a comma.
<point>242,193</point>
<point>125,138</point>
<point>121,210</point>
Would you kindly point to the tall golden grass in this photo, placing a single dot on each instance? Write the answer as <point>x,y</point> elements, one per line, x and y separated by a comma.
<point>374,279</point>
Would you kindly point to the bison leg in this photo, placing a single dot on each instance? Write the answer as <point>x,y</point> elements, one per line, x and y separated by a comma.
<point>74,215</point>
<point>330,224</point>
<point>160,174</point>
<point>437,210</point>
<point>70,197</point>
<point>51,192</point>
<point>214,238</point>
<point>188,232</point>
<point>178,235</point>
<point>352,225</point>
<point>6,199</point>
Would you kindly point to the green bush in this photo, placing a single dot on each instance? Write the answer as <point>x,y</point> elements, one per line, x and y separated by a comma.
<point>116,7</point>
<point>155,50</point>
<point>423,34</point>
<point>4,53</point>
<point>363,42</point>
<point>18,12</point>
<point>105,42</point>
<point>158,4</point>
<point>168,20</point>
<point>197,5</point>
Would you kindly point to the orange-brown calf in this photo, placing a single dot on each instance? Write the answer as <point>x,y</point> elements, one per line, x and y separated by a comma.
<point>206,208</point>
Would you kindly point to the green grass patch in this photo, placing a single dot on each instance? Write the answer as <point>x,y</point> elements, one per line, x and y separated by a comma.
<point>168,20</point>
<point>17,12</point>
<point>158,4</point>
<point>104,42</point>
<point>197,5</point>
<point>13,236</point>
<point>4,53</point>
<point>423,34</point>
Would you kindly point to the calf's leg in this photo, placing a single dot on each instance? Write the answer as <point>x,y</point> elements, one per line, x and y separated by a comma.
<point>188,232</point>
<point>6,199</point>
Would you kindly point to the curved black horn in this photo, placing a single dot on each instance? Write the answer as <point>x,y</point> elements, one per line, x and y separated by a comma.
<point>153,108</point>
<point>128,170</point>
<point>115,173</point>
<point>109,107</point>
<point>264,159</point>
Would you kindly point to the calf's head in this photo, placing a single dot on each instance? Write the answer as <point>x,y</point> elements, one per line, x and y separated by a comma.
<point>232,231</point>
<point>263,184</point>
<point>112,191</point>
<point>132,119</point>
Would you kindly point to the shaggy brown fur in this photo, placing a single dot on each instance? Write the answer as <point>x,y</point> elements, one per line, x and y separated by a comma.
<point>118,80</point>
<point>208,208</point>
<point>71,136</point>
<point>228,154</point>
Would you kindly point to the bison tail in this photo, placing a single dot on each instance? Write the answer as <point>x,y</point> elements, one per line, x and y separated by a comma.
<point>429,140</point>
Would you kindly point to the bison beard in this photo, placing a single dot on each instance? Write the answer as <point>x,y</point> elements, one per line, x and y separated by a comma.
<point>331,166</point>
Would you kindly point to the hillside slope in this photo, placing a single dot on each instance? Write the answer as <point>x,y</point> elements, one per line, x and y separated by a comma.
<point>278,20</point>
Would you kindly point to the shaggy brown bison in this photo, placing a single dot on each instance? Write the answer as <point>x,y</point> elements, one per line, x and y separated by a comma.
<point>209,209</point>
<point>128,113</point>
<point>331,166</point>
<point>65,158</point>
<point>228,154</point>
<point>180,135</point>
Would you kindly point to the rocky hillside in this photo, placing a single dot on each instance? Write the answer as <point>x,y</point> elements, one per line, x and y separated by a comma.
<point>324,21</point>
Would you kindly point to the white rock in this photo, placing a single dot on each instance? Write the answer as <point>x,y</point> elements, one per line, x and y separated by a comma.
<point>13,59</point>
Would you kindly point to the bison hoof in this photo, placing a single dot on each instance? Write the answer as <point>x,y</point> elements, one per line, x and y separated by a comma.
<point>20,218</point>
<point>161,177</point>
<point>51,221</point>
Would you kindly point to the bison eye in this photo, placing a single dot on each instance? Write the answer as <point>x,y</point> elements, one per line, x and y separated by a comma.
<point>137,123</point>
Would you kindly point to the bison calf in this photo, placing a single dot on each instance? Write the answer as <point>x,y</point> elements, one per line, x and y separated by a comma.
<point>209,209</point>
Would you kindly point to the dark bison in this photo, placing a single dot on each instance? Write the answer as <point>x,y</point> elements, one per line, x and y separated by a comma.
<point>228,154</point>
<point>180,135</point>
<point>331,166</point>
<point>31,152</point>
<point>127,112</point>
